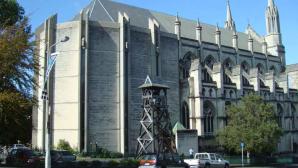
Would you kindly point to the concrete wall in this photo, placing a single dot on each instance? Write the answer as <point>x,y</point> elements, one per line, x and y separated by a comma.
<point>66,86</point>
<point>103,85</point>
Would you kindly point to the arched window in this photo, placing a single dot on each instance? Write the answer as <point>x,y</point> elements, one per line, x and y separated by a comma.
<point>231,94</point>
<point>185,64</point>
<point>279,114</point>
<point>185,115</point>
<point>227,104</point>
<point>209,111</point>
<point>206,77</point>
<point>209,61</point>
<point>260,68</point>
<point>210,92</point>
<point>293,109</point>
<point>228,64</point>
<point>245,66</point>
<point>204,92</point>
<point>273,69</point>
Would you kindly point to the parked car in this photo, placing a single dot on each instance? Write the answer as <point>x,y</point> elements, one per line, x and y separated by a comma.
<point>211,160</point>
<point>22,157</point>
<point>161,161</point>
<point>192,162</point>
<point>16,146</point>
<point>62,156</point>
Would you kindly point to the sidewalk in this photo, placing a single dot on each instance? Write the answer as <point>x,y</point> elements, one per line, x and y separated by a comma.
<point>269,166</point>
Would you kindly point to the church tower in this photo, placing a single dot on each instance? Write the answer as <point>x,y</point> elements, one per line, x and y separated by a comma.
<point>272,18</point>
<point>229,24</point>
<point>273,37</point>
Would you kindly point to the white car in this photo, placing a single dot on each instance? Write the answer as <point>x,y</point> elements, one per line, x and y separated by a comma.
<point>212,160</point>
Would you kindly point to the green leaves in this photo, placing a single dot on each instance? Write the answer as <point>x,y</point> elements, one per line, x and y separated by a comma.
<point>16,74</point>
<point>11,12</point>
<point>253,122</point>
<point>15,117</point>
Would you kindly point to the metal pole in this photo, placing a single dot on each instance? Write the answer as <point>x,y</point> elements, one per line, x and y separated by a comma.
<point>242,154</point>
<point>48,114</point>
<point>48,105</point>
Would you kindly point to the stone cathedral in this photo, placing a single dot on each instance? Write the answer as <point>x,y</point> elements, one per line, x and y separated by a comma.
<point>112,47</point>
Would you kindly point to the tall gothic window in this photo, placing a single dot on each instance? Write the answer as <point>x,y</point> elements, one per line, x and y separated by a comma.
<point>273,69</point>
<point>227,104</point>
<point>293,109</point>
<point>279,114</point>
<point>185,115</point>
<point>185,65</point>
<point>245,66</point>
<point>209,61</point>
<point>261,68</point>
<point>228,64</point>
<point>209,111</point>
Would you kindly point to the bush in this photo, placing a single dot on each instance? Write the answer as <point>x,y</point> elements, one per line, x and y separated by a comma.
<point>129,163</point>
<point>82,164</point>
<point>64,145</point>
<point>95,164</point>
<point>113,164</point>
<point>104,153</point>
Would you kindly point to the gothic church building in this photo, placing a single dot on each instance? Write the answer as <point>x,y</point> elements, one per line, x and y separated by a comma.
<point>112,47</point>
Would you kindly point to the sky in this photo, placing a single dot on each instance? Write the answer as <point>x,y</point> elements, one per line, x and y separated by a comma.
<point>208,11</point>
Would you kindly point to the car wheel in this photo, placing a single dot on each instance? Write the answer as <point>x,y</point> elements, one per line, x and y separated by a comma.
<point>227,166</point>
<point>207,165</point>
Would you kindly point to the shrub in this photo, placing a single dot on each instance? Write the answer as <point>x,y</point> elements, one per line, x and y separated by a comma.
<point>129,163</point>
<point>82,164</point>
<point>95,164</point>
<point>64,145</point>
<point>113,163</point>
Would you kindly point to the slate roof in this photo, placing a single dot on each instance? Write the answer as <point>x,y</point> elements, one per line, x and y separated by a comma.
<point>104,10</point>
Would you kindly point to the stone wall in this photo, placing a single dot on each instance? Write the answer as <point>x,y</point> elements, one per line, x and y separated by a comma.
<point>103,86</point>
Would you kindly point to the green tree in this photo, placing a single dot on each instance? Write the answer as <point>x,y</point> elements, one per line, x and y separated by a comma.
<point>16,73</point>
<point>253,122</point>
<point>11,12</point>
<point>15,118</point>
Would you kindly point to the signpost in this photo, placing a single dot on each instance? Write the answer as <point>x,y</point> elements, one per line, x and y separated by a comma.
<point>242,146</point>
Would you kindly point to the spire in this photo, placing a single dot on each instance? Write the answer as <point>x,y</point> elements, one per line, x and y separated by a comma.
<point>217,36</point>
<point>177,21</point>
<point>217,28</point>
<point>271,3</point>
<point>177,26</point>
<point>230,24</point>
<point>272,18</point>
<point>199,32</point>
<point>198,23</point>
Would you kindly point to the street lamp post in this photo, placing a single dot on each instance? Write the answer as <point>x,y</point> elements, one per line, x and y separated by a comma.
<point>45,96</point>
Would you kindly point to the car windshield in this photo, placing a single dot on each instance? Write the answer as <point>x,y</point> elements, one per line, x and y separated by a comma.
<point>172,157</point>
<point>218,157</point>
<point>66,153</point>
<point>19,145</point>
<point>149,157</point>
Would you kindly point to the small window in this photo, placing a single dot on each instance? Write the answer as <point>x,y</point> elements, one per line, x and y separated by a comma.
<point>212,157</point>
<point>218,157</point>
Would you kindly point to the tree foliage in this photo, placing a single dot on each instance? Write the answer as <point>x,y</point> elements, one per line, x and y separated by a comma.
<point>11,12</point>
<point>15,117</point>
<point>16,73</point>
<point>252,122</point>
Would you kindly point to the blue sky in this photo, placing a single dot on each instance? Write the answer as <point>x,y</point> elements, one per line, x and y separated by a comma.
<point>209,11</point>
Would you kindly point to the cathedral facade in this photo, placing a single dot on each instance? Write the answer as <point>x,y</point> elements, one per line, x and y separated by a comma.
<point>112,47</point>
